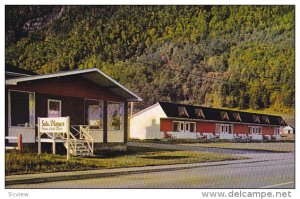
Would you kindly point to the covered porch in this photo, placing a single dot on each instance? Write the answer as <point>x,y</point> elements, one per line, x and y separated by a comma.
<point>92,100</point>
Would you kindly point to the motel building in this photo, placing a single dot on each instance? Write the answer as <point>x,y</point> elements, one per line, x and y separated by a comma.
<point>94,104</point>
<point>169,120</point>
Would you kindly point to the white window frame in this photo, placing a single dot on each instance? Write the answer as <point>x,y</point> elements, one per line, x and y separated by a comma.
<point>101,103</point>
<point>31,107</point>
<point>54,100</point>
<point>179,125</point>
<point>195,126</point>
<point>255,130</point>
<point>183,124</point>
<point>224,128</point>
<point>186,127</point>
<point>276,131</point>
<point>122,119</point>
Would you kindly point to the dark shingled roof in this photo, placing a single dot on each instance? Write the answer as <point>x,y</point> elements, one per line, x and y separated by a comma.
<point>171,110</point>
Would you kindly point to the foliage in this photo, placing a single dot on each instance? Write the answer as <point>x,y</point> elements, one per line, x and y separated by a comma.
<point>222,56</point>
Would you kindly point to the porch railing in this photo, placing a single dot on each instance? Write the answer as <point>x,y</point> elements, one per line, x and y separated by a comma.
<point>73,143</point>
<point>83,134</point>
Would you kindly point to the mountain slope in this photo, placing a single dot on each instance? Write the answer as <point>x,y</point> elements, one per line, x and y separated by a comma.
<point>222,56</point>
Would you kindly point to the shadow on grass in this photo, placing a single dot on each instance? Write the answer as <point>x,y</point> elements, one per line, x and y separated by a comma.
<point>130,151</point>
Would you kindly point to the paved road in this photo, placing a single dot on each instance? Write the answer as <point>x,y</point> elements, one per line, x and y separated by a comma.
<point>276,172</point>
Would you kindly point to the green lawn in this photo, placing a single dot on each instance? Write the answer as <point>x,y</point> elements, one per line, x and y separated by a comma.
<point>16,163</point>
<point>270,146</point>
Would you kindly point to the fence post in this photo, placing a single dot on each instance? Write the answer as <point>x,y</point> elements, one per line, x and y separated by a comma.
<point>20,147</point>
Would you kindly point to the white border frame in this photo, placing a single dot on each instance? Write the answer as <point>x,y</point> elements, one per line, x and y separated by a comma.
<point>256,127</point>
<point>53,100</point>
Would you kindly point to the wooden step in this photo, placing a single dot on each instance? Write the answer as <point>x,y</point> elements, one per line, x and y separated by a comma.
<point>84,154</point>
<point>81,149</point>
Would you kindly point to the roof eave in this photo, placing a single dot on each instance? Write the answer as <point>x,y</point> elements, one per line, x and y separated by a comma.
<point>138,99</point>
<point>15,81</point>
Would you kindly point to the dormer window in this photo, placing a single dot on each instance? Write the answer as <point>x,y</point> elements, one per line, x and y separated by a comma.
<point>237,117</point>
<point>266,119</point>
<point>256,119</point>
<point>182,112</point>
<point>199,113</point>
<point>224,115</point>
<point>281,121</point>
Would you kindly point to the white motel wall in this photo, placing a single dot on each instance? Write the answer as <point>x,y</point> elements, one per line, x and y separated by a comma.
<point>146,123</point>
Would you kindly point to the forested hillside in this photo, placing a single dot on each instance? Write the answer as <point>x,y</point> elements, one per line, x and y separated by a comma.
<point>221,56</point>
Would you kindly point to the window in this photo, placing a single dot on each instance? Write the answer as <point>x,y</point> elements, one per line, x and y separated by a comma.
<point>255,130</point>
<point>54,108</point>
<point>199,113</point>
<point>94,113</point>
<point>184,126</point>
<point>224,128</point>
<point>277,131</point>
<point>256,119</point>
<point>266,119</point>
<point>281,121</point>
<point>115,116</point>
<point>178,126</point>
<point>21,109</point>
<point>224,115</point>
<point>192,127</point>
<point>182,112</point>
<point>175,126</point>
<point>181,126</point>
<point>187,127</point>
<point>237,117</point>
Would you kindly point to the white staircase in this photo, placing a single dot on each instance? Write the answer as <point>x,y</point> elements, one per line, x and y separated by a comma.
<point>81,144</point>
<point>81,149</point>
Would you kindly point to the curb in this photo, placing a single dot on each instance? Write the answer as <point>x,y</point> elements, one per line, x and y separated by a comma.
<point>109,174</point>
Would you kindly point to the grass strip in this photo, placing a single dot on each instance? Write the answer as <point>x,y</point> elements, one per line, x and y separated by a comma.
<point>26,163</point>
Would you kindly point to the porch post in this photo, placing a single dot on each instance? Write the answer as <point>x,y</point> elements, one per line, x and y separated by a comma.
<point>68,138</point>
<point>39,138</point>
<point>131,108</point>
<point>8,108</point>
<point>53,147</point>
<point>125,121</point>
<point>105,122</point>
